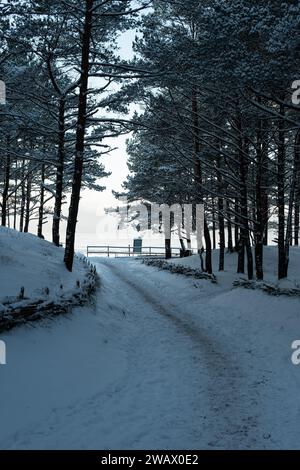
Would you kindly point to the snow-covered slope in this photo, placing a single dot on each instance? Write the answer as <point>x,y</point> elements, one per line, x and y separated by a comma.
<point>29,262</point>
<point>270,267</point>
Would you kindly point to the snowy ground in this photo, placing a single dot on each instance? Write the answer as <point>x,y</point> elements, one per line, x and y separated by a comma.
<point>161,362</point>
<point>26,261</point>
<point>229,274</point>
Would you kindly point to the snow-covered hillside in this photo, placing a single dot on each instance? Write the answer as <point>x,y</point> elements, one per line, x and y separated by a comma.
<point>29,262</point>
<point>229,275</point>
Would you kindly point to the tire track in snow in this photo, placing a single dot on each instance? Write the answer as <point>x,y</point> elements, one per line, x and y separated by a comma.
<point>182,387</point>
<point>235,420</point>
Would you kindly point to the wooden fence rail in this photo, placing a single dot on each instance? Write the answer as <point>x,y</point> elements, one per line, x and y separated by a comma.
<point>129,251</point>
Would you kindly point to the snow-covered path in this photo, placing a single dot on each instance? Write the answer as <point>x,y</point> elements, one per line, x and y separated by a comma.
<point>162,362</point>
<point>190,383</point>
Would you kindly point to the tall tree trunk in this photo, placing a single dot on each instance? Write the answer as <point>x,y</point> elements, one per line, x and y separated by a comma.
<point>281,195</point>
<point>221,217</point>
<point>168,251</point>
<point>245,232</point>
<point>80,135</point>
<point>59,175</point>
<point>42,200</point>
<point>236,224</point>
<point>213,223</point>
<point>183,248</point>
<point>28,200</point>
<point>229,227</point>
<point>265,187</point>
<point>8,215</point>
<point>259,222</point>
<point>241,256</point>
<point>6,185</point>
<point>208,257</point>
<point>16,195</point>
<point>23,197</point>
<point>181,241</point>
<point>265,210</point>
<point>198,181</point>
<point>296,220</point>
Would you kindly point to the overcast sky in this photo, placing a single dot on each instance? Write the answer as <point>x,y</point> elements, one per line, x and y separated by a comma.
<point>93,204</point>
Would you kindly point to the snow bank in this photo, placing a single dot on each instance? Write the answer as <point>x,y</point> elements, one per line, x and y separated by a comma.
<point>29,262</point>
<point>229,275</point>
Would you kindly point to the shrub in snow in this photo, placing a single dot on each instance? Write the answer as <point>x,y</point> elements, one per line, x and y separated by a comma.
<point>179,269</point>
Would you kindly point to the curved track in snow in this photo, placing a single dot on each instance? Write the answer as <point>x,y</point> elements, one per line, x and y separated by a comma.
<point>161,361</point>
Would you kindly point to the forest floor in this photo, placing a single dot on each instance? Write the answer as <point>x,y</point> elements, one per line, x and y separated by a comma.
<point>160,362</point>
